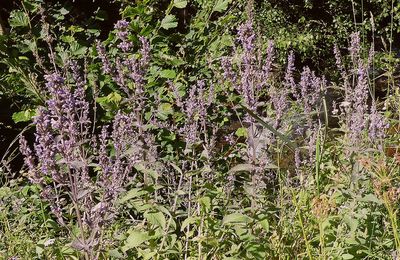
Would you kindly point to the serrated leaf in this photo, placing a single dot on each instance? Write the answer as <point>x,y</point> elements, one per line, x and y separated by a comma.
<point>180,3</point>
<point>370,198</point>
<point>18,19</point>
<point>235,218</point>
<point>23,116</point>
<point>169,21</point>
<point>135,239</point>
<point>156,218</point>
<point>221,5</point>
<point>77,49</point>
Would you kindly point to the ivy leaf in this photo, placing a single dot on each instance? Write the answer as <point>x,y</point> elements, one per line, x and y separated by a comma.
<point>180,3</point>
<point>169,21</point>
<point>221,6</point>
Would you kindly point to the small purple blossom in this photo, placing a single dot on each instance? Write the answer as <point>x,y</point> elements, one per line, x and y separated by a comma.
<point>377,125</point>
<point>122,26</point>
<point>289,79</point>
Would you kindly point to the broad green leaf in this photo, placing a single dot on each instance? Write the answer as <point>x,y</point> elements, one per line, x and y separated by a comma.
<point>206,203</point>
<point>143,169</point>
<point>347,256</point>
<point>18,19</point>
<point>235,218</point>
<point>146,253</point>
<point>168,74</point>
<point>156,218</point>
<point>264,224</point>
<point>23,116</point>
<point>135,239</point>
<point>131,194</point>
<point>244,167</point>
<point>221,5</point>
<point>77,49</point>
<point>115,253</point>
<point>188,221</point>
<point>370,198</point>
<point>169,21</point>
<point>180,3</point>
<point>351,222</point>
<point>67,38</point>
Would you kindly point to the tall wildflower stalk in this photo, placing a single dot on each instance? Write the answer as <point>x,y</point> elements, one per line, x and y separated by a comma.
<point>73,166</point>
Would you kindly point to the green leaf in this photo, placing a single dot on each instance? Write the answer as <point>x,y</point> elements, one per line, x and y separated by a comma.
<point>63,11</point>
<point>115,253</point>
<point>235,218</point>
<point>169,21</point>
<point>241,132</point>
<point>221,5</point>
<point>188,221</point>
<point>180,3</point>
<point>243,167</point>
<point>370,198</point>
<point>131,194</point>
<point>352,223</point>
<point>156,218</point>
<point>18,19</point>
<point>77,49</point>
<point>206,203</point>
<point>168,74</point>
<point>264,224</point>
<point>347,256</point>
<point>23,116</point>
<point>135,239</point>
<point>67,38</point>
<point>143,169</point>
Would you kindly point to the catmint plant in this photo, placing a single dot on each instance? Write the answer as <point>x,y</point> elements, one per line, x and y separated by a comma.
<point>74,166</point>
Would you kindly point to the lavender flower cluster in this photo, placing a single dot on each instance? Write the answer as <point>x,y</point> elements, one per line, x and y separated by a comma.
<point>358,115</point>
<point>66,152</point>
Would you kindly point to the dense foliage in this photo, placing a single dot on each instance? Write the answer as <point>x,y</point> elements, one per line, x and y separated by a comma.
<point>199,129</point>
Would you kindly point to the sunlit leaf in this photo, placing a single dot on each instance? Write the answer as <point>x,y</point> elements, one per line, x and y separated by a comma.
<point>156,218</point>
<point>180,3</point>
<point>169,21</point>
<point>235,218</point>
